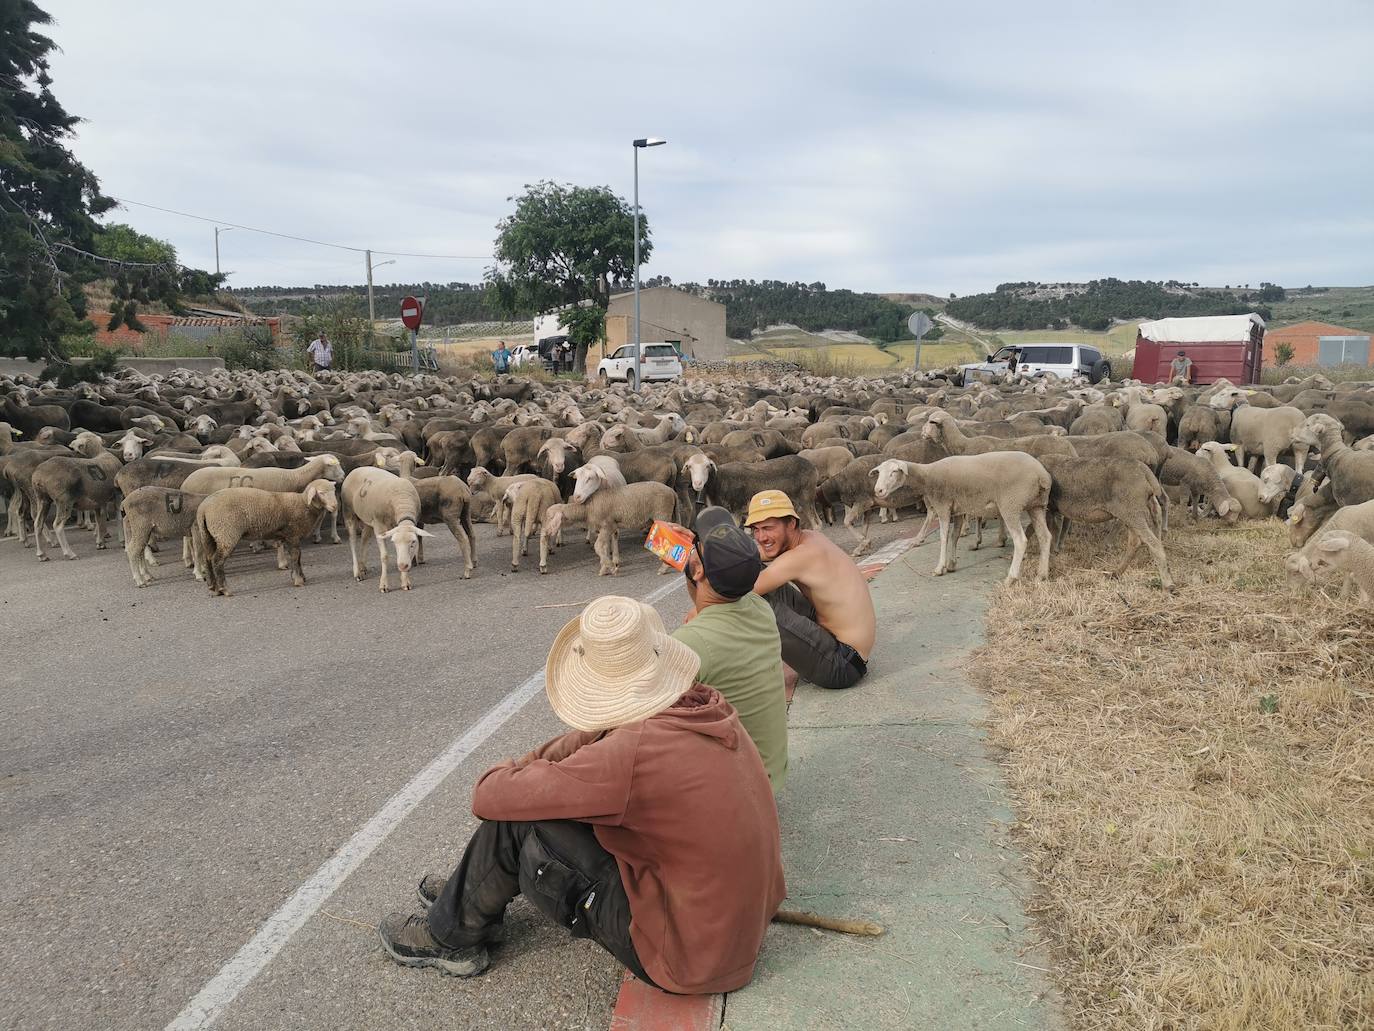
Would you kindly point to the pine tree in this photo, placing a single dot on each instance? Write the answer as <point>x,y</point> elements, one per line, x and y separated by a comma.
<point>48,199</point>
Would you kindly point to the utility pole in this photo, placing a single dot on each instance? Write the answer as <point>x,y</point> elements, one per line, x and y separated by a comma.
<point>218,230</point>
<point>371,309</point>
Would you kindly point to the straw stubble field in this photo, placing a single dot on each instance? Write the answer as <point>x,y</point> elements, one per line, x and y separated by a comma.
<point>1194,776</point>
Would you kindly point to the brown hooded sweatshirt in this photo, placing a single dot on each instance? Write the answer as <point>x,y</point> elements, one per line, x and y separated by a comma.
<point>683,803</point>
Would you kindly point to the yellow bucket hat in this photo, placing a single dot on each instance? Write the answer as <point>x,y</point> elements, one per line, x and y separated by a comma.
<point>769,504</point>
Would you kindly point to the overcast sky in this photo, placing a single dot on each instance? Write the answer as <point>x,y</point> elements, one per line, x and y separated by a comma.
<point>879,146</point>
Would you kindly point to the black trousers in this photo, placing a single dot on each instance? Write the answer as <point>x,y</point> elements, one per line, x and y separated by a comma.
<point>558,865</point>
<point>813,651</point>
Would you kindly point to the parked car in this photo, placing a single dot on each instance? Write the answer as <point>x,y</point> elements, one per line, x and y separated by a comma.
<point>1053,359</point>
<point>525,354</point>
<point>660,362</point>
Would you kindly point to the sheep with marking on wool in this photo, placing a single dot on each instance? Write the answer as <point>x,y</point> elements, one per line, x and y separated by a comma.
<point>159,513</point>
<point>609,510</point>
<point>235,513</point>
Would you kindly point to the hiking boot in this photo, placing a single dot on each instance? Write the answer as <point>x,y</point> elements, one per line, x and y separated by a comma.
<point>428,893</point>
<point>407,940</point>
<point>429,889</point>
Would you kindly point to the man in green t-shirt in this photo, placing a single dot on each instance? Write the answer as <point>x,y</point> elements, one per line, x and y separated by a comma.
<point>734,632</point>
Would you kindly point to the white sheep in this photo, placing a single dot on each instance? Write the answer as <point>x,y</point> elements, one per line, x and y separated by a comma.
<point>485,485</point>
<point>1002,483</point>
<point>1243,485</point>
<point>229,515</point>
<point>1301,565</point>
<point>607,512</point>
<point>529,503</point>
<point>388,507</point>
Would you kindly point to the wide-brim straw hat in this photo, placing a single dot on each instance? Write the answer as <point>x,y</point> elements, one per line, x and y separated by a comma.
<point>615,664</point>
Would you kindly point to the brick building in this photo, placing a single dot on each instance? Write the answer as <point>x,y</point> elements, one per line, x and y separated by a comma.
<point>1319,343</point>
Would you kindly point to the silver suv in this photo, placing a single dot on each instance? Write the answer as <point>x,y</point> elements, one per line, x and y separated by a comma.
<point>1062,360</point>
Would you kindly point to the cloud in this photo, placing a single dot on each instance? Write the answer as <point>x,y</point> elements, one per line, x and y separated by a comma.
<point>869,145</point>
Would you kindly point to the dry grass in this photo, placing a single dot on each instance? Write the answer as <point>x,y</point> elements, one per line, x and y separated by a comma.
<point>1194,778</point>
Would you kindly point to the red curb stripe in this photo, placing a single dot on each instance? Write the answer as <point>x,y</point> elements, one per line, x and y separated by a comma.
<point>641,1008</point>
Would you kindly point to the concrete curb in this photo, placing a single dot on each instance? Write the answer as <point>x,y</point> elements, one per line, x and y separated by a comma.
<point>642,1008</point>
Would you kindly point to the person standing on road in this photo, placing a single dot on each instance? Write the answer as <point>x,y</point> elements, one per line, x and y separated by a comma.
<point>735,635</point>
<point>321,352</point>
<point>1181,369</point>
<point>820,599</point>
<point>650,828</point>
<point>500,358</point>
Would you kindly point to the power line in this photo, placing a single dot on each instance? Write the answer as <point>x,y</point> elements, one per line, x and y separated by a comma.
<point>303,239</point>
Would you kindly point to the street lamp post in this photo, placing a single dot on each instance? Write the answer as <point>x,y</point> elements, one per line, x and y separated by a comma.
<point>651,141</point>
<point>218,230</point>
<point>371,309</point>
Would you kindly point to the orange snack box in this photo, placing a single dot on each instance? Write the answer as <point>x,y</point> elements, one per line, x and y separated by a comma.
<point>670,542</point>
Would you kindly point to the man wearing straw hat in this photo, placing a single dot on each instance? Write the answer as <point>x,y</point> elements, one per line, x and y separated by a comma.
<point>820,599</point>
<point>650,829</point>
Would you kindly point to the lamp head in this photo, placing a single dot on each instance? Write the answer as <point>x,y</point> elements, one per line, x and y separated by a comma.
<point>650,141</point>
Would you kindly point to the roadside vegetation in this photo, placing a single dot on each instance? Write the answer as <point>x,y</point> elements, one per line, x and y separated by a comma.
<point>1193,777</point>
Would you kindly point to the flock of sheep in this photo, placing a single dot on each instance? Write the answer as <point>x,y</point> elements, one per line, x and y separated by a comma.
<point>276,458</point>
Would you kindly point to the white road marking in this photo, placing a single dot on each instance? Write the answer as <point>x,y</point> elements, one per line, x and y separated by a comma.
<point>212,1000</point>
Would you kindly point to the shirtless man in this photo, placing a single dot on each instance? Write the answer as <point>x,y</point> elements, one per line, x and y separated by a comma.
<point>819,597</point>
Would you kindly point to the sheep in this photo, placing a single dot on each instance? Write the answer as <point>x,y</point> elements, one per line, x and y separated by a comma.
<point>732,484</point>
<point>606,513</point>
<point>1309,511</point>
<point>1201,423</point>
<point>1351,472</point>
<point>321,467</point>
<point>233,513</point>
<point>165,513</point>
<point>1201,482</point>
<point>529,503</point>
<point>944,431</point>
<point>769,443</point>
<point>828,460</point>
<point>557,461</point>
<point>1301,565</point>
<point>1007,482</point>
<point>1123,444</point>
<point>68,484</point>
<point>627,438</point>
<point>389,507</point>
<point>493,488</point>
<point>1241,484</point>
<point>447,500</point>
<point>1096,420</point>
<point>1266,432</point>
<point>1142,415</point>
<point>1340,549</point>
<point>1096,490</point>
<point>852,487</point>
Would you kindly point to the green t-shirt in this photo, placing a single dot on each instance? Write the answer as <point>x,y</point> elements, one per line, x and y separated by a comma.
<point>741,657</point>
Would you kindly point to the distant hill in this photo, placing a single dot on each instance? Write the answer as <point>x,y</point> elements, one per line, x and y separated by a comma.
<point>1098,304</point>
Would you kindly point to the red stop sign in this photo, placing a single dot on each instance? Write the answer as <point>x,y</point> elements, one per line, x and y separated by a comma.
<point>412,311</point>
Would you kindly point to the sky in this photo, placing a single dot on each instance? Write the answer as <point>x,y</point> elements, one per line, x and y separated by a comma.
<point>901,146</point>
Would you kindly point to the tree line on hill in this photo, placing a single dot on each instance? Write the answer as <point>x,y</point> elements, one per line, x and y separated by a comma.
<point>1096,305</point>
<point>749,305</point>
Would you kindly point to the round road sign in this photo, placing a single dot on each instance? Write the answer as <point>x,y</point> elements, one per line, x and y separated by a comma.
<point>412,311</point>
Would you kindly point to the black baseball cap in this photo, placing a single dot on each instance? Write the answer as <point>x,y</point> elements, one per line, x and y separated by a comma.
<point>729,556</point>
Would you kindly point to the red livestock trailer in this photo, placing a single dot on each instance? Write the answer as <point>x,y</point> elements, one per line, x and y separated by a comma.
<point>1219,345</point>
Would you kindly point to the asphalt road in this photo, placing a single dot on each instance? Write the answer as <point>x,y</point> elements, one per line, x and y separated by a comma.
<point>174,767</point>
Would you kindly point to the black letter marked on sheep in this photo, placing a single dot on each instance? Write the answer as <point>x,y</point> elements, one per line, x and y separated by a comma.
<point>95,472</point>
<point>162,469</point>
<point>241,481</point>
<point>174,503</point>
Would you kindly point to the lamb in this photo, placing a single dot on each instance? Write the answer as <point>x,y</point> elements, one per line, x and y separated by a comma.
<point>1310,510</point>
<point>1302,565</point>
<point>1201,482</point>
<point>1096,490</point>
<point>1339,549</point>
<point>233,513</point>
<point>493,488</point>
<point>607,512</point>
<point>1241,484</point>
<point>321,467</point>
<point>529,503</point>
<point>165,513</point>
<point>1006,482</point>
<point>389,507</point>
<point>1351,472</point>
<point>731,485</point>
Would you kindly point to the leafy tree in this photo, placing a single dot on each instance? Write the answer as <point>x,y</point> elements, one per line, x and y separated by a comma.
<point>48,199</point>
<point>563,245</point>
